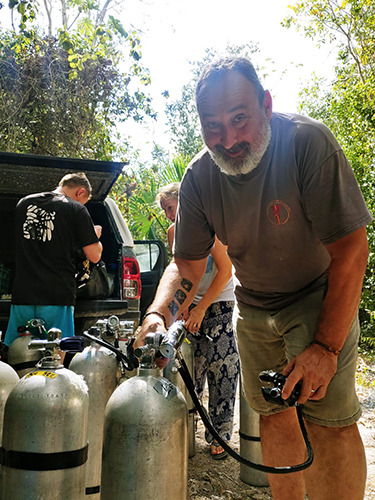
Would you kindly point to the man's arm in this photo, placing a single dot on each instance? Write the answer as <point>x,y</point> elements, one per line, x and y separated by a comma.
<point>317,365</point>
<point>175,293</point>
<point>94,251</point>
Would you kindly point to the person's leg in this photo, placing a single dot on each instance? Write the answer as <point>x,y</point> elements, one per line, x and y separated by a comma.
<point>338,471</point>
<point>283,445</point>
<point>339,467</point>
<point>61,317</point>
<point>199,344</point>
<point>294,327</point>
<point>223,369</point>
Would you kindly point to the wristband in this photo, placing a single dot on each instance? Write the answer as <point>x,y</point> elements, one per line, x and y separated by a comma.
<point>157,314</point>
<point>327,347</point>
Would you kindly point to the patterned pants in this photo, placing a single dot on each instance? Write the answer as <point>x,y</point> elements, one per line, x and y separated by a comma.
<point>216,359</point>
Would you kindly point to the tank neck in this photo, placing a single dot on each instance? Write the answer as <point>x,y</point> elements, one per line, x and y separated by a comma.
<point>149,371</point>
<point>50,363</point>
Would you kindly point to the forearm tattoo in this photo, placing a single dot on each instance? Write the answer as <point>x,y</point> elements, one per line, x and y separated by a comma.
<point>180,296</point>
<point>173,307</point>
<point>186,284</point>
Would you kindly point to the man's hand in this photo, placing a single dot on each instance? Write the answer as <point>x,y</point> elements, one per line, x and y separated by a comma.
<point>98,231</point>
<point>315,367</point>
<point>151,323</point>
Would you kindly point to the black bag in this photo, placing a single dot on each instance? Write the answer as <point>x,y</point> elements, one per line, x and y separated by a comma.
<point>95,283</point>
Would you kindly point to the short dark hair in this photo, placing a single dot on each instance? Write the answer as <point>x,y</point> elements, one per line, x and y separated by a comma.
<point>216,71</point>
<point>76,179</point>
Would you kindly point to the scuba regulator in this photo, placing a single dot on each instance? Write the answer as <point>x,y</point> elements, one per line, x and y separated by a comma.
<point>167,345</point>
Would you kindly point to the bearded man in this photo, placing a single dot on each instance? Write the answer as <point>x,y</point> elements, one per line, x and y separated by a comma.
<point>279,192</point>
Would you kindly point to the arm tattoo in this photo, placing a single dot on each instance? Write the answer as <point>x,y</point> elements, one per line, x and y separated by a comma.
<point>186,284</point>
<point>173,307</point>
<point>180,296</point>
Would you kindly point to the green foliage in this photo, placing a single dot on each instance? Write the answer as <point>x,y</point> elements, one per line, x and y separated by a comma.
<point>135,194</point>
<point>347,105</point>
<point>65,93</point>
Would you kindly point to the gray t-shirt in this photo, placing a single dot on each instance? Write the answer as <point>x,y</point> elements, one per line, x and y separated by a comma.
<point>277,219</point>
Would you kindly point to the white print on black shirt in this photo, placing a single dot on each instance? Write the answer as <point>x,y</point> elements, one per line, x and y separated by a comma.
<point>38,224</point>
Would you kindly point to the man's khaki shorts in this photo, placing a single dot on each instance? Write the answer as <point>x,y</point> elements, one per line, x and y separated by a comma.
<point>269,340</point>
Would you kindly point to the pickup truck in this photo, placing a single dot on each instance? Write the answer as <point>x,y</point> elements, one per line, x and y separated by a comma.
<point>134,285</point>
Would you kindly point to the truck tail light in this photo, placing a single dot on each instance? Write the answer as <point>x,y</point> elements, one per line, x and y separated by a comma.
<point>131,278</point>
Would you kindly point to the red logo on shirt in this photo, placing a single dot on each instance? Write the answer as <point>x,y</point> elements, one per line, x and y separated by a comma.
<point>278,212</point>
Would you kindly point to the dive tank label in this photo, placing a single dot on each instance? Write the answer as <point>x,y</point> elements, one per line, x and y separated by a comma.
<point>44,374</point>
<point>165,388</point>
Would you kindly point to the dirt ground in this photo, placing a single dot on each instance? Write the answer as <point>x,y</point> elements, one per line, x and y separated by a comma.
<point>218,480</point>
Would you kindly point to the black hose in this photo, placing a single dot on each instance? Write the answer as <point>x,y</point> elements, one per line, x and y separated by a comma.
<point>120,355</point>
<point>184,372</point>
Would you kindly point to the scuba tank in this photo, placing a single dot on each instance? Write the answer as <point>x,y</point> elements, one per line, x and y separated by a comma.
<point>250,445</point>
<point>44,443</point>
<point>171,373</point>
<point>145,446</point>
<point>22,359</point>
<point>8,379</point>
<point>101,370</point>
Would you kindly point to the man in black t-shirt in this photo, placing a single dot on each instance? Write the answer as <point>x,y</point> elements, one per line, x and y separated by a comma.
<point>50,227</point>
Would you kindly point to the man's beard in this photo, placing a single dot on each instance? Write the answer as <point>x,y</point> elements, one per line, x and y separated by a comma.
<point>252,154</point>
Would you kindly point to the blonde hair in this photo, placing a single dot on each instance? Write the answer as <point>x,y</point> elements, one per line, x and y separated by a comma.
<point>168,192</point>
<point>77,179</point>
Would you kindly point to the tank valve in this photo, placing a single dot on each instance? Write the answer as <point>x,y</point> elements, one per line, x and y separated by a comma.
<point>112,329</point>
<point>151,347</point>
<point>173,339</point>
<point>162,344</point>
<point>53,344</point>
<point>35,323</point>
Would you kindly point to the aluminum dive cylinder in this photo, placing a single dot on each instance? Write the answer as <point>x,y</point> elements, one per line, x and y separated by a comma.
<point>44,443</point>
<point>250,446</point>
<point>22,359</point>
<point>171,373</point>
<point>101,371</point>
<point>145,449</point>
<point>8,379</point>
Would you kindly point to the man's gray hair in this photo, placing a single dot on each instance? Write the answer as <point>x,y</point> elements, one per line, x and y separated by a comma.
<point>218,69</point>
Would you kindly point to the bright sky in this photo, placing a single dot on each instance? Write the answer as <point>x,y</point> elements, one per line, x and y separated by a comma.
<point>174,32</point>
<point>178,31</point>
